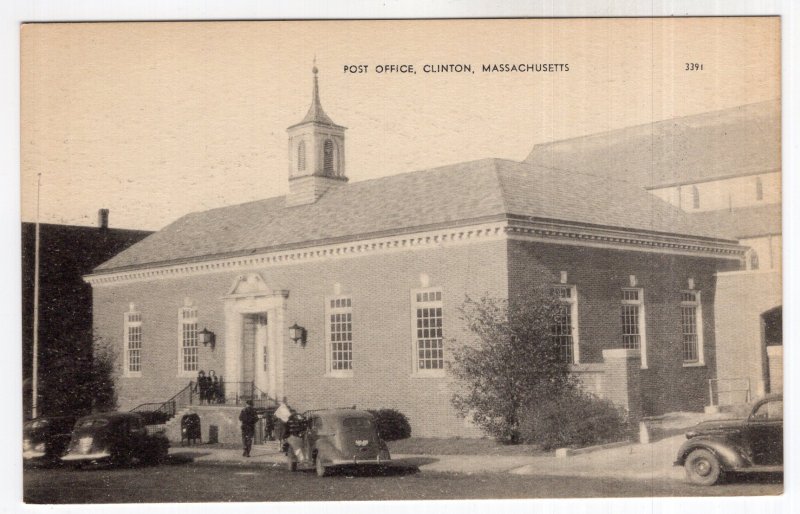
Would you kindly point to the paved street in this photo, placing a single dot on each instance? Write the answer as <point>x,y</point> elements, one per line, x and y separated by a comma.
<point>185,481</point>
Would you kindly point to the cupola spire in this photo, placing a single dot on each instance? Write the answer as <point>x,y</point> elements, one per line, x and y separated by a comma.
<point>315,113</point>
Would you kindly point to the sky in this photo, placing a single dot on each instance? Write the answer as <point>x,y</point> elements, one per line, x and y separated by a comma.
<point>156,120</point>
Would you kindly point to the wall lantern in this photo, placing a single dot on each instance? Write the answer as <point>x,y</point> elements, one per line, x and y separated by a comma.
<point>297,334</point>
<point>206,337</point>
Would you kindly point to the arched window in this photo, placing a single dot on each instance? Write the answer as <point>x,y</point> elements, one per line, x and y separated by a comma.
<point>301,156</point>
<point>753,260</point>
<point>695,198</point>
<point>759,189</point>
<point>328,165</point>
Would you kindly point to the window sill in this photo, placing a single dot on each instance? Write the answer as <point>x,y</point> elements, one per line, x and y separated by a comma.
<point>694,364</point>
<point>429,374</point>
<point>134,374</point>
<point>339,374</point>
<point>187,374</point>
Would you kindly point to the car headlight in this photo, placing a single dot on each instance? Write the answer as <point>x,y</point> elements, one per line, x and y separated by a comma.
<point>85,444</point>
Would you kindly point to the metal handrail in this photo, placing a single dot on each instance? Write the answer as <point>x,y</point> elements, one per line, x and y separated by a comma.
<point>169,407</point>
<point>235,393</point>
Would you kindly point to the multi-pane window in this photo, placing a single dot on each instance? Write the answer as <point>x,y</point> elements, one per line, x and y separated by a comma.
<point>563,329</point>
<point>632,321</point>
<point>188,330</point>
<point>133,343</point>
<point>691,325</point>
<point>340,335</point>
<point>428,341</point>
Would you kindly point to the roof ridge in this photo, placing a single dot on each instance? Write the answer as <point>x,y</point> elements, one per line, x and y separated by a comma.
<point>651,123</point>
<point>576,172</point>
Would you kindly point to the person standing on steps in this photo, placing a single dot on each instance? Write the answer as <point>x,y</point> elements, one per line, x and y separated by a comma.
<point>248,417</point>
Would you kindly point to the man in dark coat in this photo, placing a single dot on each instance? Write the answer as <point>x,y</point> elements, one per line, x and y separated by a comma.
<point>248,417</point>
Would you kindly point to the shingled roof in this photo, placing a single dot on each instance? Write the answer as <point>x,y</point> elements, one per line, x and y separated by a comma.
<point>744,222</point>
<point>470,192</point>
<point>739,141</point>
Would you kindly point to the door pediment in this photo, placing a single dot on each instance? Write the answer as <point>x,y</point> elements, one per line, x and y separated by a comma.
<point>251,284</point>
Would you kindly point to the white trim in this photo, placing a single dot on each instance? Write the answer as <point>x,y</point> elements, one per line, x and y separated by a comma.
<point>642,323</point>
<point>273,304</point>
<point>329,372</point>
<point>698,305</point>
<point>572,301</point>
<point>126,325</point>
<point>415,371</point>
<point>181,322</point>
<point>548,232</point>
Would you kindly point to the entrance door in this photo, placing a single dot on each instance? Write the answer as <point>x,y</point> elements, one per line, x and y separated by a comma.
<point>256,358</point>
<point>249,329</point>
<point>264,366</point>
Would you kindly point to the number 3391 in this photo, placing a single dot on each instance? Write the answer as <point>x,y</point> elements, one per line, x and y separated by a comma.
<point>693,66</point>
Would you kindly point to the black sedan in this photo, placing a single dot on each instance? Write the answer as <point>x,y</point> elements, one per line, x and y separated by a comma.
<point>755,444</point>
<point>116,437</point>
<point>45,439</point>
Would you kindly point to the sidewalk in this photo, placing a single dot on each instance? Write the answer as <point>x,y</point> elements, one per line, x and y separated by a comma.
<point>635,461</point>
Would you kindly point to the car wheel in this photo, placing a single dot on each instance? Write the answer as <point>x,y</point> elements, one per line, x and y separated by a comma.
<point>702,468</point>
<point>120,458</point>
<point>291,463</point>
<point>321,469</point>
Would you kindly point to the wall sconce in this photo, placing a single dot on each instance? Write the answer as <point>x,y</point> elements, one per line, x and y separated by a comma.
<point>206,337</point>
<point>297,334</point>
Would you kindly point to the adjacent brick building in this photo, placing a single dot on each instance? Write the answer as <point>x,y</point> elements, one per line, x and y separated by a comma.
<point>67,252</point>
<point>723,168</point>
<point>375,271</point>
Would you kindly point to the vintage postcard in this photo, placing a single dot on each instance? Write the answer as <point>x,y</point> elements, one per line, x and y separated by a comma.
<point>282,261</point>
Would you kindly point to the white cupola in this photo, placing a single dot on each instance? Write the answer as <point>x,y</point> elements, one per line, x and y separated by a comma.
<point>316,154</point>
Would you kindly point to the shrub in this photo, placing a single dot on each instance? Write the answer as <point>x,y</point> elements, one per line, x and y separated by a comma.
<point>508,359</point>
<point>392,425</point>
<point>574,419</point>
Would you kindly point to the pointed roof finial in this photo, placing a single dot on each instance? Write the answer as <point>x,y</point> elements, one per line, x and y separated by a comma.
<point>315,112</point>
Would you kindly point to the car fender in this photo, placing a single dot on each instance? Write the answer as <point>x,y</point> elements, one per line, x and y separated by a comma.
<point>326,451</point>
<point>729,457</point>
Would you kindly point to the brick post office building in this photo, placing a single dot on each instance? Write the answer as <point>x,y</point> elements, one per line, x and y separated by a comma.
<point>375,271</point>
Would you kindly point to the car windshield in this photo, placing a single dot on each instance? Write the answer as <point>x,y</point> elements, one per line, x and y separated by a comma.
<point>357,423</point>
<point>92,423</point>
<point>770,410</point>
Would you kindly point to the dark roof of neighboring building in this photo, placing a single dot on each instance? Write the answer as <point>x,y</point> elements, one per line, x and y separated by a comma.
<point>745,222</point>
<point>469,192</point>
<point>732,142</point>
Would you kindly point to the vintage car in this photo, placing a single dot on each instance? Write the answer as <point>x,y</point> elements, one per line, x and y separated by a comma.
<point>755,444</point>
<point>116,437</point>
<point>45,439</point>
<point>337,437</point>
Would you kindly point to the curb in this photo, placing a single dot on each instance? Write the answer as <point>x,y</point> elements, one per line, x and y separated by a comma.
<point>562,453</point>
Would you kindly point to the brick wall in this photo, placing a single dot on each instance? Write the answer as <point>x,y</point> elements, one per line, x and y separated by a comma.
<point>599,275</point>
<point>380,288</point>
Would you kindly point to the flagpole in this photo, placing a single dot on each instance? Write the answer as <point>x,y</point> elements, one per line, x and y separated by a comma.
<point>35,376</point>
